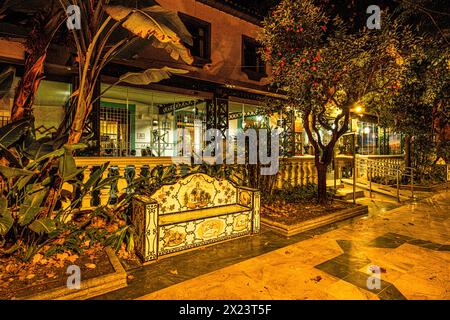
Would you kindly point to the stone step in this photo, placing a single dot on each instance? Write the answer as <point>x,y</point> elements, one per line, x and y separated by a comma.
<point>348,194</point>
<point>377,188</point>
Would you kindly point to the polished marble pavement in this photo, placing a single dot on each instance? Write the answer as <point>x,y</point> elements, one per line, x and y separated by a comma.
<point>408,244</point>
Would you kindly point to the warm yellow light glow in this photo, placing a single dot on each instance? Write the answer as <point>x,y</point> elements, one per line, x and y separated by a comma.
<point>358,108</point>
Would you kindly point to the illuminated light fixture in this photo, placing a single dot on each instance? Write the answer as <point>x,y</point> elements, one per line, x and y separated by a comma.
<point>366,130</point>
<point>259,118</point>
<point>333,126</point>
<point>358,109</point>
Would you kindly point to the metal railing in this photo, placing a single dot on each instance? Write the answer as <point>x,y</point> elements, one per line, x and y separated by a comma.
<point>387,171</point>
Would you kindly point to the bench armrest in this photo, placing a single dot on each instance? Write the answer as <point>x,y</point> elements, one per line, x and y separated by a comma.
<point>145,199</point>
<point>248,189</point>
<point>250,197</point>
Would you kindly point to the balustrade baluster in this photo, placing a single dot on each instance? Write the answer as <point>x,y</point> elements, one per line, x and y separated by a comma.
<point>87,199</point>
<point>105,192</point>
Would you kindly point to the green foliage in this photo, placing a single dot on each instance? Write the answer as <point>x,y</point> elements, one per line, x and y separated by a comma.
<point>31,214</point>
<point>326,68</point>
<point>421,109</point>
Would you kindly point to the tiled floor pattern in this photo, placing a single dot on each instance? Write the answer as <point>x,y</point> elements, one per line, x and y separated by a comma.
<point>409,244</point>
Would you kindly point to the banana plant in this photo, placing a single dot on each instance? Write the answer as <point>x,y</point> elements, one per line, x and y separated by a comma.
<point>29,217</point>
<point>40,20</point>
<point>108,29</point>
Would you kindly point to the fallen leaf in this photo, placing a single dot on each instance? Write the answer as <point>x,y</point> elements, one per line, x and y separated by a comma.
<point>175,271</point>
<point>30,276</point>
<point>59,241</point>
<point>10,267</point>
<point>62,256</point>
<point>72,258</point>
<point>50,275</point>
<point>37,257</point>
<point>90,265</point>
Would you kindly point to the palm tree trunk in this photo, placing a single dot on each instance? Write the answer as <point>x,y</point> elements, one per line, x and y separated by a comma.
<point>28,85</point>
<point>46,25</point>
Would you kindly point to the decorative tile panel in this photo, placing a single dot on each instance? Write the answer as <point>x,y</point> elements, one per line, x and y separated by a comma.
<point>182,236</point>
<point>196,191</point>
<point>195,211</point>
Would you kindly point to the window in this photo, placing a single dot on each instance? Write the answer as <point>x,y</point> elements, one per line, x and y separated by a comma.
<point>252,63</point>
<point>201,36</point>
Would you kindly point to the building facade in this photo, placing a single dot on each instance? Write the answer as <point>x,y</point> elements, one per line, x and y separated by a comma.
<point>226,88</point>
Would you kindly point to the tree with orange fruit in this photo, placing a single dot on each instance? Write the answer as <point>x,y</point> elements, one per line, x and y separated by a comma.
<point>325,67</point>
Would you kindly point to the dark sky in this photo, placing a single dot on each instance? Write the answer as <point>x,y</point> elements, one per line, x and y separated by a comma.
<point>353,12</point>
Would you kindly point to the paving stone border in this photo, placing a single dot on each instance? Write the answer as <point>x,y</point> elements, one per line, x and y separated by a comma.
<point>290,230</point>
<point>90,287</point>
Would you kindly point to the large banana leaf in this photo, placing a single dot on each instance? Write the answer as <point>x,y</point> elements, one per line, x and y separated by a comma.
<point>94,177</point>
<point>6,220</point>
<point>10,172</point>
<point>174,49</point>
<point>11,156</point>
<point>60,152</point>
<point>67,166</point>
<point>38,148</point>
<point>10,133</point>
<point>43,226</point>
<point>157,22</point>
<point>31,206</point>
<point>150,75</point>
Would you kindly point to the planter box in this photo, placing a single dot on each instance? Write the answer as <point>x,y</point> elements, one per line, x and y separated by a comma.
<point>293,229</point>
<point>89,288</point>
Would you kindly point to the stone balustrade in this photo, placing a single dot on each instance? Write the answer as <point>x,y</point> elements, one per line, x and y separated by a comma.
<point>293,172</point>
<point>296,172</point>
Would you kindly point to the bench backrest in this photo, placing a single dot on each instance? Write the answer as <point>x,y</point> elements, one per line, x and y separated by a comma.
<point>196,191</point>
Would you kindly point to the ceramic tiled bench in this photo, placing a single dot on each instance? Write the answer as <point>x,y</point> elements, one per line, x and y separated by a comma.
<point>196,210</point>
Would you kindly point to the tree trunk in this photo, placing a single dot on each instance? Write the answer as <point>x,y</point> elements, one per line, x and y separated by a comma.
<point>407,150</point>
<point>82,111</point>
<point>28,85</point>
<point>321,183</point>
<point>37,45</point>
